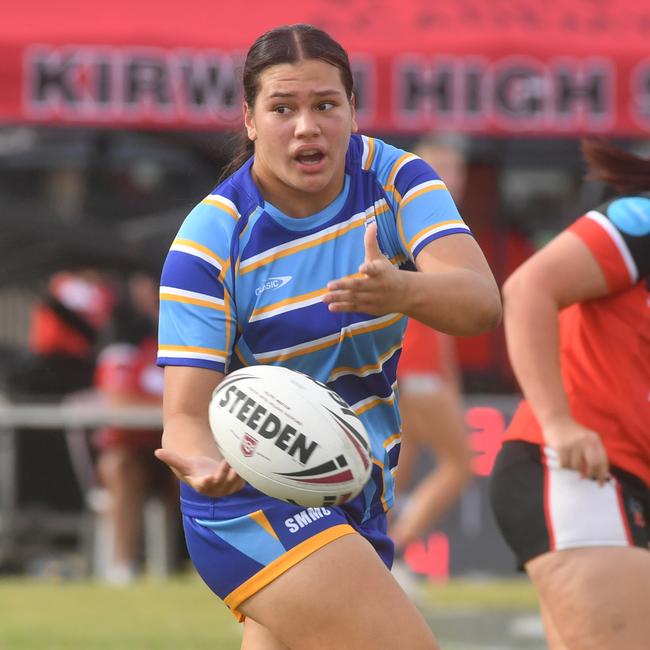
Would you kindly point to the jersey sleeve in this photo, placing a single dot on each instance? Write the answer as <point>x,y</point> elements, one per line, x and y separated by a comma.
<point>618,235</point>
<point>197,320</point>
<point>422,205</point>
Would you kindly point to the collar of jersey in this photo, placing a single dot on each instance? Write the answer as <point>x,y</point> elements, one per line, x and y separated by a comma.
<point>313,220</point>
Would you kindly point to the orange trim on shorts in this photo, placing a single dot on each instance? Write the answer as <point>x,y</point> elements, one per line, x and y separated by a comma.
<point>282,564</point>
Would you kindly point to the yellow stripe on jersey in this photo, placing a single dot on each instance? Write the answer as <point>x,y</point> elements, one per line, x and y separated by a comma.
<point>443,225</point>
<point>287,301</point>
<point>201,249</point>
<point>378,208</point>
<point>369,369</point>
<point>191,348</point>
<point>260,518</point>
<point>392,189</point>
<point>398,259</point>
<point>228,312</point>
<point>335,339</point>
<point>430,186</point>
<point>371,403</point>
<point>238,354</point>
<point>222,203</point>
<point>371,153</point>
<point>174,297</point>
<point>282,564</point>
<point>290,250</point>
<point>396,437</point>
<point>397,165</point>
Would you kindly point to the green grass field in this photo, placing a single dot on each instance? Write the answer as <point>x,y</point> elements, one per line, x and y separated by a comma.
<point>180,613</point>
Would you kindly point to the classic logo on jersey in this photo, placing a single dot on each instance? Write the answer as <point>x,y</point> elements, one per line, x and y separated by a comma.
<point>271,284</point>
<point>631,215</point>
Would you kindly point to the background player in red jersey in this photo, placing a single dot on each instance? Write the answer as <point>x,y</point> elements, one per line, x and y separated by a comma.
<point>571,485</point>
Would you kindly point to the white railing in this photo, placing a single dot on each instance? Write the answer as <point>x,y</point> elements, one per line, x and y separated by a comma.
<point>73,418</point>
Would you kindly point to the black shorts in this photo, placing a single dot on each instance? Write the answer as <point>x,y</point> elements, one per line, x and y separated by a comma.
<point>541,507</point>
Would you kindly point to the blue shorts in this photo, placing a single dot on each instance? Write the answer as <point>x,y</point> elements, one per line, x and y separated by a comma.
<point>246,543</point>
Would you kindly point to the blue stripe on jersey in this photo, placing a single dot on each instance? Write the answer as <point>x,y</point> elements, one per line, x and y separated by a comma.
<point>393,455</point>
<point>286,330</point>
<point>196,275</point>
<point>414,172</point>
<point>361,388</point>
<point>274,273</point>
<point>436,235</point>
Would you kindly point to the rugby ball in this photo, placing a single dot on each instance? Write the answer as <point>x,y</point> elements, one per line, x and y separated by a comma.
<point>290,436</point>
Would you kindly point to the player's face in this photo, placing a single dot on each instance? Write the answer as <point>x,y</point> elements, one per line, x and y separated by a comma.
<point>301,125</point>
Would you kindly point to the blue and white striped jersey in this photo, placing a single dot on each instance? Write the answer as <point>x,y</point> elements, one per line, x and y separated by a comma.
<point>243,284</point>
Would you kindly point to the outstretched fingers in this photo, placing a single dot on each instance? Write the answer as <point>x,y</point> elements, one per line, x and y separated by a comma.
<point>206,475</point>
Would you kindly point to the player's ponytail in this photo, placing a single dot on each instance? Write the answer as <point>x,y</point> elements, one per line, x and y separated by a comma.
<point>625,172</point>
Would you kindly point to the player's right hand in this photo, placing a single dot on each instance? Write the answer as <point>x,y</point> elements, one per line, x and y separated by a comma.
<point>578,448</point>
<point>213,478</point>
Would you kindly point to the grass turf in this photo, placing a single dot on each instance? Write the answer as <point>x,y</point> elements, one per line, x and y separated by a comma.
<point>148,615</point>
<point>176,613</point>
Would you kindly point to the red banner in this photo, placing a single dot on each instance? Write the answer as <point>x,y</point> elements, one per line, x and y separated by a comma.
<point>525,71</point>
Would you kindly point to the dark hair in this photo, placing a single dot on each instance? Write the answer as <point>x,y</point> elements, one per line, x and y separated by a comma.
<point>286,44</point>
<point>624,171</point>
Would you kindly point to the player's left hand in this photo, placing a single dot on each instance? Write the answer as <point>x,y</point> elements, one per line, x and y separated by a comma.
<point>378,288</point>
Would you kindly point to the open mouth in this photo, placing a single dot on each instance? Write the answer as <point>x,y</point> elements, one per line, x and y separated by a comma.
<point>310,158</point>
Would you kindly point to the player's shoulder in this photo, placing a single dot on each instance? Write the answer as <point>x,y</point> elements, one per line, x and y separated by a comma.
<point>215,218</point>
<point>619,228</point>
<point>391,165</point>
<point>629,214</point>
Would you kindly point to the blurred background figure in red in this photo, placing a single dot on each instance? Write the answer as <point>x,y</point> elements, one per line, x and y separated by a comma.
<point>127,375</point>
<point>430,394</point>
<point>65,326</point>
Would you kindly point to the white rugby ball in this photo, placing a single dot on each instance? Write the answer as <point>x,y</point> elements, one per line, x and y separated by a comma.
<point>290,436</point>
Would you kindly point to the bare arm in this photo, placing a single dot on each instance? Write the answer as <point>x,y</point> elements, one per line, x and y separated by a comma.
<point>563,273</point>
<point>455,292</point>
<point>188,445</point>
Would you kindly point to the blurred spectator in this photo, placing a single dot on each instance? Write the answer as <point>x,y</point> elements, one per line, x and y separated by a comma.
<point>64,329</point>
<point>430,396</point>
<point>432,420</point>
<point>127,375</point>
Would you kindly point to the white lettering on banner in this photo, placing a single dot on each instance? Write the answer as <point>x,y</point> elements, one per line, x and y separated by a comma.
<point>515,93</point>
<point>93,83</point>
<point>98,83</point>
<point>195,88</point>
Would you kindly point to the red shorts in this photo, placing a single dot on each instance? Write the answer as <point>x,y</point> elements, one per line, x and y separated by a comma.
<point>112,437</point>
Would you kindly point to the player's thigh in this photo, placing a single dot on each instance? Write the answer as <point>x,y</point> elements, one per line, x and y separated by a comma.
<point>596,597</point>
<point>341,596</point>
<point>553,639</point>
<point>258,637</point>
